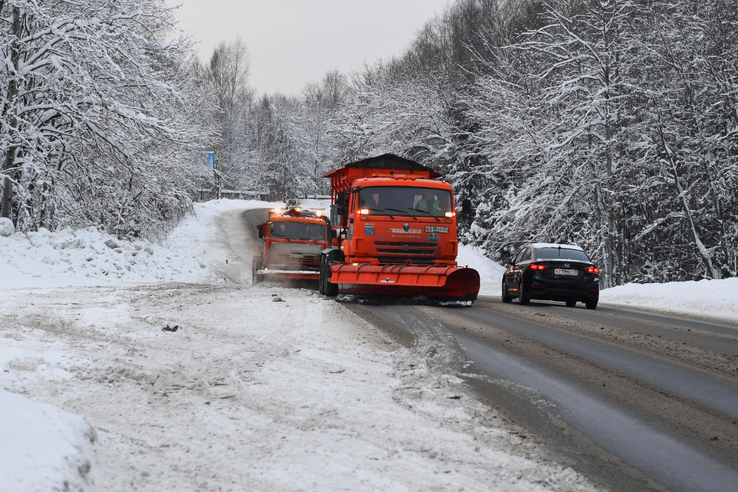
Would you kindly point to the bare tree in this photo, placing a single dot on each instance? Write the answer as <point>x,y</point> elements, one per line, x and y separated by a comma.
<point>228,73</point>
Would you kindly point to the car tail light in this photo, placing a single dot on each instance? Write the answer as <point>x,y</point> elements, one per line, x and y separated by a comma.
<point>538,266</point>
<point>592,270</point>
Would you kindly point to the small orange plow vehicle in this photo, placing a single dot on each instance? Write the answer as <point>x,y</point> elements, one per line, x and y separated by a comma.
<point>293,241</point>
<point>393,233</point>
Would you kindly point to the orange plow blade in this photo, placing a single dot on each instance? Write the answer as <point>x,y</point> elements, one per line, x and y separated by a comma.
<point>443,283</point>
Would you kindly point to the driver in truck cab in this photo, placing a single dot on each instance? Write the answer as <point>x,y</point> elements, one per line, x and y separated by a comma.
<point>429,202</point>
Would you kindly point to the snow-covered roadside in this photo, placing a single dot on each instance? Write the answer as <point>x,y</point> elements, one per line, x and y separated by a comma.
<point>708,299</point>
<point>88,257</point>
<point>258,388</point>
<point>490,273</point>
<point>43,447</point>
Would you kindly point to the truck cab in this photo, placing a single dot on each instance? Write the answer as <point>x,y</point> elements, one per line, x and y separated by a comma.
<point>400,220</point>
<point>293,241</point>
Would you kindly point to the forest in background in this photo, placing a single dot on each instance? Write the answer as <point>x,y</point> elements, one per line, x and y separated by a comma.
<point>611,124</point>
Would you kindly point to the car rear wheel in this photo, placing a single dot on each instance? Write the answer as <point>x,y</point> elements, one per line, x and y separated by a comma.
<point>505,294</point>
<point>571,303</point>
<point>523,296</point>
<point>591,304</point>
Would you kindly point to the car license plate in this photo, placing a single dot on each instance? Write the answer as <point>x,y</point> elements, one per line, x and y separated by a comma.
<point>566,271</point>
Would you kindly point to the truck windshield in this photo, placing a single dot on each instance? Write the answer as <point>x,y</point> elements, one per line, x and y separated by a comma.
<point>297,230</point>
<point>400,200</point>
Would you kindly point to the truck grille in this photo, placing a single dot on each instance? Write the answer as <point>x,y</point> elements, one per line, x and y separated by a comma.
<point>296,258</point>
<point>397,260</point>
<point>406,250</point>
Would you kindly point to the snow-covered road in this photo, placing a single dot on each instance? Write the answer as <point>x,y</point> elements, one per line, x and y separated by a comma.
<point>265,387</point>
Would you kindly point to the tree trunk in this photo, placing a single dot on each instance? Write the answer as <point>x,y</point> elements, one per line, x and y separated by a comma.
<point>9,114</point>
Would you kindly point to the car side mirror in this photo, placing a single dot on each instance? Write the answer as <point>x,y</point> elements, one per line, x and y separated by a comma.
<point>507,261</point>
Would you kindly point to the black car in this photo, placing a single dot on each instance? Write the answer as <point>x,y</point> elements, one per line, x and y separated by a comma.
<point>553,272</point>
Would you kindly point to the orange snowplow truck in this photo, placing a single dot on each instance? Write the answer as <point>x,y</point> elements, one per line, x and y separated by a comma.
<point>293,241</point>
<point>394,234</point>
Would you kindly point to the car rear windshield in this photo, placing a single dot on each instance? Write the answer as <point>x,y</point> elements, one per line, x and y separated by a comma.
<point>297,230</point>
<point>561,254</point>
<point>399,200</point>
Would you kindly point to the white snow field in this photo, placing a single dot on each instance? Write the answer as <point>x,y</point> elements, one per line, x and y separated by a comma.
<point>135,366</point>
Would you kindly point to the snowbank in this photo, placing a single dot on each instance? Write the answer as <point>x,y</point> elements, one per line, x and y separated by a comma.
<point>43,447</point>
<point>6,227</point>
<point>713,299</point>
<point>89,257</point>
<point>490,273</point>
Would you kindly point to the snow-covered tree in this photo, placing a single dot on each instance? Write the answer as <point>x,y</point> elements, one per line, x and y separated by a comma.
<point>92,125</point>
<point>690,138</point>
<point>227,77</point>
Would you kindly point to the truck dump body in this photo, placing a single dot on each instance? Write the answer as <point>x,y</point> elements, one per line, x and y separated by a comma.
<point>396,231</point>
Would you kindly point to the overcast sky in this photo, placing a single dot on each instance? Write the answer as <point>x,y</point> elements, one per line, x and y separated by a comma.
<point>293,42</point>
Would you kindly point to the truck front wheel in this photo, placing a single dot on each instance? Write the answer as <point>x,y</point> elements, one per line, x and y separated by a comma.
<point>256,263</point>
<point>324,284</point>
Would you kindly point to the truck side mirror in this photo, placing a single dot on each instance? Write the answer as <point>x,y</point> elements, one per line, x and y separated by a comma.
<point>260,228</point>
<point>341,199</point>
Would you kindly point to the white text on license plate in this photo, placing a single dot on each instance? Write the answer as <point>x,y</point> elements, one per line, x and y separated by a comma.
<point>566,271</point>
